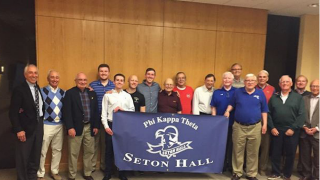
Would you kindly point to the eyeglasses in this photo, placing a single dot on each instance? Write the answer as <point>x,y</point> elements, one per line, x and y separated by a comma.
<point>236,69</point>
<point>251,80</point>
<point>314,86</point>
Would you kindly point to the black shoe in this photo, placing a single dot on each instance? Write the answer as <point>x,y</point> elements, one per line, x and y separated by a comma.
<point>123,178</point>
<point>252,178</point>
<point>107,177</point>
<point>235,177</point>
<point>88,177</point>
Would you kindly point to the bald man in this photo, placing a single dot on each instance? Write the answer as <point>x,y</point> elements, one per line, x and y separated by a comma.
<point>137,97</point>
<point>168,100</point>
<point>81,117</point>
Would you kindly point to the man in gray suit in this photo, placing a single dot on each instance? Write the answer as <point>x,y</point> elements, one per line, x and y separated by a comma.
<point>309,137</point>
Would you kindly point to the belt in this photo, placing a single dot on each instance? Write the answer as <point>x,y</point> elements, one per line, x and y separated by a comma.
<point>247,124</point>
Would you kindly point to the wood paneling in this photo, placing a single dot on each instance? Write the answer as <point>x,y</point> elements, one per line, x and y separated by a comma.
<point>78,9</point>
<point>131,49</point>
<point>146,12</point>
<point>191,51</point>
<point>246,20</point>
<point>69,46</point>
<point>190,15</point>
<point>246,49</point>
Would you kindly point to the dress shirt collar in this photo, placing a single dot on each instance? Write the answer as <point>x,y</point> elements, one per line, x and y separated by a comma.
<point>205,89</point>
<point>30,84</point>
<point>52,89</point>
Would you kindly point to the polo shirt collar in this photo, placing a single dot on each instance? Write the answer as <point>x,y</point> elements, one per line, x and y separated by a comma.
<point>108,84</point>
<point>165,93</point>
<point>144,82</point>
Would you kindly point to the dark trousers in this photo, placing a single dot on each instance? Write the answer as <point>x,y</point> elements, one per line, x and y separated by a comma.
<point>309,145</point>
<point>288,145</point>
<point>28,154</point>
<point>228,156</point>
<point>109,155</point>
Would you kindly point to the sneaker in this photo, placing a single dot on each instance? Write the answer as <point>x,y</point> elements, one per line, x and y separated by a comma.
<point>274,177</point>
<point>56,177</point>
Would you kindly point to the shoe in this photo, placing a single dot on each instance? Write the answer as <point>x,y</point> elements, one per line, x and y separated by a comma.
<point>285,178</point>
<point>252,178</point>
<point>235,177</point>
<point>274,177</point>
<point>56,177</point>
<point>107,177</point>
<point>123,178</point>
<point>305,178</point>
<point>88,177</point>
<point>71,179</point>
<point>41,178</point>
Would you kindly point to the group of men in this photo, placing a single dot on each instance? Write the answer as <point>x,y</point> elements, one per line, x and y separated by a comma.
<point>259,120</point>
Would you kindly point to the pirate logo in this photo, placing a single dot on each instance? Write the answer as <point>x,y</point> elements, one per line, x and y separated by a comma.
<point>169,145</point>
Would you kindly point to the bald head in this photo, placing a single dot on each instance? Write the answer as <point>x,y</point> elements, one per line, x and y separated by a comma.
<point>314,87</point>
<point>133,81</point>
<point>81,81</point>
<point>168,85</point>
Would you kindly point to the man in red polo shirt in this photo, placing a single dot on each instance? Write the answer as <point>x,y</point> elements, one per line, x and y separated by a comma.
<point>185,93</point>
<point>268,91</point>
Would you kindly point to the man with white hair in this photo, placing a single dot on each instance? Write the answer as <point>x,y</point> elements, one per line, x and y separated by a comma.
<point>251,107</point>
<point>268,91</point>
<point>219,103</point>
<point>52,125</point>
<point>285,119</point>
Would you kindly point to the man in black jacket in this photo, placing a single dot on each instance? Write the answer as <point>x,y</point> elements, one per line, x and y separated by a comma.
<point>80,113</point>
<point>26,114</point>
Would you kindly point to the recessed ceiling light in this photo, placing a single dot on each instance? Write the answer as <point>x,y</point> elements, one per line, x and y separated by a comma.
<point>314,5</point>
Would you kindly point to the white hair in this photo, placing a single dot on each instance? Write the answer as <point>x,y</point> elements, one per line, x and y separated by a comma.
<point>251,75</point>
<point>27,66</point>
<point>285,76</point>
<point>50,71</point>
<point>264,71</point>
<point>227,73</point>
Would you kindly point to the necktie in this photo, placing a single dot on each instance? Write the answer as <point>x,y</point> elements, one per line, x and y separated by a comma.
<point>36,101</point>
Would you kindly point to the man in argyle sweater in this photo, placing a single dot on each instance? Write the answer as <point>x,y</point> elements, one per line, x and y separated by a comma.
<point>53,128</point>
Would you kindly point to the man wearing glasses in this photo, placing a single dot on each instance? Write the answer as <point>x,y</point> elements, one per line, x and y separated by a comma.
<point>236,70</point>
<point>251,107</point>
<point>185,93</point>
<point>81,117</point>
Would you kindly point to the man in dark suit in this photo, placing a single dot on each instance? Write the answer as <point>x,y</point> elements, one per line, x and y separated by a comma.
<point>81,116</point>
<point>309,137</point>
<point>26,113</point>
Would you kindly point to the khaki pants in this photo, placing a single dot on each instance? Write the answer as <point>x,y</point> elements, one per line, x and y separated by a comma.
<point>99,142</point>
<point>74,149</point>
<point>264,153</point>
<point>246,138</point>
<point>52,134</point>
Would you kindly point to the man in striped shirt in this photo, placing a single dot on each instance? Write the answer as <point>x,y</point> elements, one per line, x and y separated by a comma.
<point>101,86</point>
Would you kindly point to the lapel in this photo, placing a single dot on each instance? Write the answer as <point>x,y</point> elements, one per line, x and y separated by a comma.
<point>315,109</point>
<point>78,98</point>
<point>29,94</point>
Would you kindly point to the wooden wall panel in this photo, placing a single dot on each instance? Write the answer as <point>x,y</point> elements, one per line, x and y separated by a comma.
<point>131,49</point>
<point>146,12</point>
<point>69,46</point>
<point>191,51</point>
<point>246,20</point>
<point>190,15</point>
<point>77,9</point>
<point>246,49</point>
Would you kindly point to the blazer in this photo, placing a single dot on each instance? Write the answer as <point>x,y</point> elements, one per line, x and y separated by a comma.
<point>73,114</point>
<point>23,112</point>
<point>315,117</point>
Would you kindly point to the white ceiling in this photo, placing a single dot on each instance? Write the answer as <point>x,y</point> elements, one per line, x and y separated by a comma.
<point>294,8</point>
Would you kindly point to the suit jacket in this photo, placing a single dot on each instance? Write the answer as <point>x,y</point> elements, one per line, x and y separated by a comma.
<point>73,113</point>
<point>315,117</point>
<point>23,112</point>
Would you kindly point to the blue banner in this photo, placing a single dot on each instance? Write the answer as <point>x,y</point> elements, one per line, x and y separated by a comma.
<point>167,142</point>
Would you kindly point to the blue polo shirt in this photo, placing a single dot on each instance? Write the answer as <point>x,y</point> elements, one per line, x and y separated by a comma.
<point>101,90</point>
<point>221,99</point>
<point>248,107</point>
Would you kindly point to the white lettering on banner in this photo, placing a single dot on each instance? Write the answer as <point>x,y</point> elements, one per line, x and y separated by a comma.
<point>170,120</point>
<point>179,162</point>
